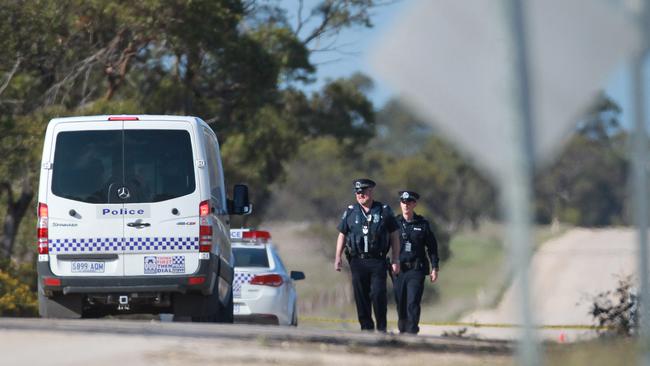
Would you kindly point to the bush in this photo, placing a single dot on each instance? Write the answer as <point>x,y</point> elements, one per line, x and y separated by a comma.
<point>17,292</point>
<point>616,311</point>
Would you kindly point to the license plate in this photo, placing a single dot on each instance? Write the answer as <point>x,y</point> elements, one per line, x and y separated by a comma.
<point>236,309</point>
<point>88,267</point>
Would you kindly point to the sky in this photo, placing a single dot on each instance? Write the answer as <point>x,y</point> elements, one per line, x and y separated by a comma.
<point>359,44</point>
<point>356,45</point>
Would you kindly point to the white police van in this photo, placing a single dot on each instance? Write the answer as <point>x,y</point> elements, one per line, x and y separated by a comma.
<point>133,217</point>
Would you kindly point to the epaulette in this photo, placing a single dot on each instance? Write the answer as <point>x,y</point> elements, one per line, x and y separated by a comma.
<point>345,213</point>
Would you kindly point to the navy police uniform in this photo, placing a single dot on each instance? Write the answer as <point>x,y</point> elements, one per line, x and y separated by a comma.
<point>367,235</point>
<point>419,249</point>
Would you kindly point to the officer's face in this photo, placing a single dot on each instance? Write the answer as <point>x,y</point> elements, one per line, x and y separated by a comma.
<point>408,206</point>
<point>364,196</point>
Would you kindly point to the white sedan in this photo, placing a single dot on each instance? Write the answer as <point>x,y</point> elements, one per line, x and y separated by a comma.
<point>263,290</point>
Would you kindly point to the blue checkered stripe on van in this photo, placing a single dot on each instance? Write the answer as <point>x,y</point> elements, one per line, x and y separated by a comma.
<point>85,245</point>
<point>108,245</point>
<point>161,244</point>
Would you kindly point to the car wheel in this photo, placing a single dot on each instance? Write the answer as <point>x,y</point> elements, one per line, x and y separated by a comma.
<point>294,319</point>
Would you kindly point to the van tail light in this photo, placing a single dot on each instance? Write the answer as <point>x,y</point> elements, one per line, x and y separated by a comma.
<point>42,233</point>
<point>204,209</point>
<point>274,280</point>
<point>205,229</point>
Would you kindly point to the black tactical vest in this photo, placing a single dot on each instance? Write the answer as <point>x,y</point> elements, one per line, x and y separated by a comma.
<point>370,225</point>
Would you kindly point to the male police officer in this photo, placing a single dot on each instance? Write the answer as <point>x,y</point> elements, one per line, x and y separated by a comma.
<point>367,231</point>
<point>416,236</point>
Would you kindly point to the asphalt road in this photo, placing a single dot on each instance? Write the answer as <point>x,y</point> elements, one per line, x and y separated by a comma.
<point>137,342</point>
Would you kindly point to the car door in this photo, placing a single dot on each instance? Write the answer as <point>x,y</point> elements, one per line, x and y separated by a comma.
<point>287,289</point>
<point>85,217</point>
<point>161,226</point>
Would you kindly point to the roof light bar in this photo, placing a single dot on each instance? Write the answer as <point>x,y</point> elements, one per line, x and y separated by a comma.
<point>256,234</point>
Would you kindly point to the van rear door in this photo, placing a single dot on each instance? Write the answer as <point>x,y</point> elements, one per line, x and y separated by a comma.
<point>85,215</point>
<point>161,226</point>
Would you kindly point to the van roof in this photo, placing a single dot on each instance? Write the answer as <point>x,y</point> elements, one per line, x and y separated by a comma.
<point>141,117</point>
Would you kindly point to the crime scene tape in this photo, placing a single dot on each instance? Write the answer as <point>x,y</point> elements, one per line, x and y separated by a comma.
<point>467,324</point>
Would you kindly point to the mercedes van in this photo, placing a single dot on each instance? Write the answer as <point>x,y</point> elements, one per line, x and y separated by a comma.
<point>133,218</point>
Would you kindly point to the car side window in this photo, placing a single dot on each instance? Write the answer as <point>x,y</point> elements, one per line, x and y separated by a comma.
<point>216,172</point>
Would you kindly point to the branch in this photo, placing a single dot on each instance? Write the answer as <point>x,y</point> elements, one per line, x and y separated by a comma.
<point>322,27</point>
<point>11,74</point>
<point>300,22</point>
<point>52,93</point>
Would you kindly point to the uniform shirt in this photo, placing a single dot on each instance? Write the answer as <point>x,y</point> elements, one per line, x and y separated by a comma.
<point>417,232</point>
<point>355,216</point>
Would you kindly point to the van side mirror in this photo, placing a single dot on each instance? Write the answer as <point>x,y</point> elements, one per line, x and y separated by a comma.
<point>297,275</point>
<point>240,204</point>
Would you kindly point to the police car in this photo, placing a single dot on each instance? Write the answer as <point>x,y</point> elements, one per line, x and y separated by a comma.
<point>263,290</point>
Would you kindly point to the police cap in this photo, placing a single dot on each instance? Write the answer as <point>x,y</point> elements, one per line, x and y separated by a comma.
<point>363,183</point>
<point>406,196</point>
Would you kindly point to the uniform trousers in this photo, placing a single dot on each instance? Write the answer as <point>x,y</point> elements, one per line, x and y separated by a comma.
<point>409,286</point>
<point>369,286</point>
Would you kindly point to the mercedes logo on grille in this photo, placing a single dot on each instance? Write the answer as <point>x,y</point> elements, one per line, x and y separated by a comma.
<point>123,193</point>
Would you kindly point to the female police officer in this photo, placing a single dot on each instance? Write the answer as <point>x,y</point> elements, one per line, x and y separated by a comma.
<point>418,248</point>
<point>367,231</point>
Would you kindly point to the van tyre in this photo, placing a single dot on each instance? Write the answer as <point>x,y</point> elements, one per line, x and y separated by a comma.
<point>60,306</point>
<point>226,312</point>
<point>210,309</point>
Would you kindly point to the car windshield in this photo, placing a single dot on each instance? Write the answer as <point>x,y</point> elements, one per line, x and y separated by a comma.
<point>251,257</point>
<point>155,165</point>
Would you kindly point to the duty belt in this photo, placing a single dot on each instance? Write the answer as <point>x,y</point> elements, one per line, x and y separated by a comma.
<point>368,256</point>
<point>405,266</point>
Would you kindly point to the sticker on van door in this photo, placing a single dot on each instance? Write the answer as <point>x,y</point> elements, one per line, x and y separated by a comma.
<point>160,264</point>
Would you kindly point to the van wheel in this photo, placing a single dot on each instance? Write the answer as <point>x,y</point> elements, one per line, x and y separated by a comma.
<point>60,306</point>
<point>226,312</point>
<point>210,309</point>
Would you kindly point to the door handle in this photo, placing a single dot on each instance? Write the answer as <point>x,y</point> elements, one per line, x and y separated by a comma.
<point>138,225</point>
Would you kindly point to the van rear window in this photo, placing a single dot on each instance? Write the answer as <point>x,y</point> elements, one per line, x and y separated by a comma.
<point>154,165</point>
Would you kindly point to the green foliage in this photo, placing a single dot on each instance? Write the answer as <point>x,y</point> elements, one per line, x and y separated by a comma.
<point>17,292</point>
<point>234,63</point>
<point>587,184</point>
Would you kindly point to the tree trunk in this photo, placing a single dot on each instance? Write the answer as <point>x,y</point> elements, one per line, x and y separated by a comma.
<point>15,213</point>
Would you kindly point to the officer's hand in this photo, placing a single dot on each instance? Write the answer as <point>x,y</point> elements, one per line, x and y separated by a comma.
<point>337,264</point>
<point>395,268</point>
<point>434,275</point>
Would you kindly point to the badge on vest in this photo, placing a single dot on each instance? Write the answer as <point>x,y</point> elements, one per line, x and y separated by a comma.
<point>407,247</point>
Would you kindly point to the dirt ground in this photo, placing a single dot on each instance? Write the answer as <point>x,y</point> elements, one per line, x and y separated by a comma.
<point>566,274</point>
